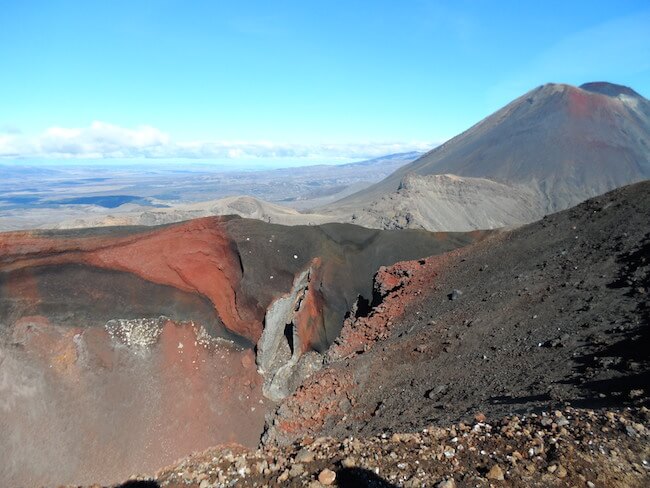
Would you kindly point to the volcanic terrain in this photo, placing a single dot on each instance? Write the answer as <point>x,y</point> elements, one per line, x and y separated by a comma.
<point>549,318</point>
<point>552,148</point>
<point>352,350</point>
<point>125,348</point>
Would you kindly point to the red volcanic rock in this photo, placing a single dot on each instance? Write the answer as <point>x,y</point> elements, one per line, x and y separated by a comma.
<point>397,286</point>
<point>321,398</point>
<point>308,319</point>
<point>194,256</point>
<point>581,103</point>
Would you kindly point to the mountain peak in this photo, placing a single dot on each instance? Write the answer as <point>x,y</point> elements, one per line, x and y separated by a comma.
<point>609,89</point>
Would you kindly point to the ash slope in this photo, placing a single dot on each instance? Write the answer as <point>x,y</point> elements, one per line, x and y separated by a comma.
<point>553,312</point>
<point>558,144</point>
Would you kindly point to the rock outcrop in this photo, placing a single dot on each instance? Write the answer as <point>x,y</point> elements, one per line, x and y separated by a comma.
<point>282,357</point>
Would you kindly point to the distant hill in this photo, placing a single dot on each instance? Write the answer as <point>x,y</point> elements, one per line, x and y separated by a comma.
<point>243,206</point>
<point>558,144</point>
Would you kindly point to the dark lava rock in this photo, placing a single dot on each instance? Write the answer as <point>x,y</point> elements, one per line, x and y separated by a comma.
<point>455,294</point>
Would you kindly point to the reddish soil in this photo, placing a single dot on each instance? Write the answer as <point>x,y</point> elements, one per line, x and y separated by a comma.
<point>582,104</point>
<point>396,287</point>
<point>94,411</point>
<point>194,256</point>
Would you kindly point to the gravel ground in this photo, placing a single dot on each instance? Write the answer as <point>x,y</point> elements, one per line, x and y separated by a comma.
<point>572,447</point>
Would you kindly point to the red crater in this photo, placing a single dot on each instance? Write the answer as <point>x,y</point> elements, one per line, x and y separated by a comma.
<point>195,256</point>
<point>114,351</point>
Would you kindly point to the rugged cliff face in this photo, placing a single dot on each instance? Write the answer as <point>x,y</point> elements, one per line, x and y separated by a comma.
<point>190,327</point>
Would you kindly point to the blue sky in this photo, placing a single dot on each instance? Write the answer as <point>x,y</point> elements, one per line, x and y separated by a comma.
<point>290,78</point>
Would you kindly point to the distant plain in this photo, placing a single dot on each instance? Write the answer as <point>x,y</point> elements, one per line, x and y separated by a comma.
<point>44,195</point>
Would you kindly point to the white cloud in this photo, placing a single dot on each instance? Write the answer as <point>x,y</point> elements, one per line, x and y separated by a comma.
<point>12,145</point>
<point>103,140</point>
